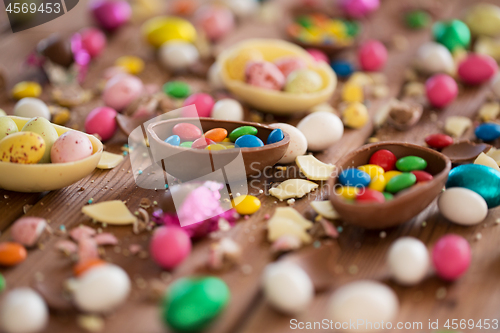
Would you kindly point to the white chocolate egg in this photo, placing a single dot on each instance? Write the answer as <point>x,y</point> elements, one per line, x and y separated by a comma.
<point>462,206</point>
<point>227,109</point>
<point>30,107</point>
<point>321,129</point>
<point>408,261</point>
<point>298,142</point>
<point>287,287</point>
<point>433,57</point>
<point>178,55</point>
<point>365,300</point>
<point>101,289</point>
<point>23,311</point>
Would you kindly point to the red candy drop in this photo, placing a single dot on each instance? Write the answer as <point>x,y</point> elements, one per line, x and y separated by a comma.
<point>369,195</point>
<point>202,143</point>
<point>451,257</point>
<point>438,141</point>
<point>187,131</point>
<point>441,90</point>
<point>477,69</point>
<point>372,55</point>
<point>422,176</point>
<point>385,159</point>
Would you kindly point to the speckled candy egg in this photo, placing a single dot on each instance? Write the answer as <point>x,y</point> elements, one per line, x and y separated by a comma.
<point>432,58</point>
<point>7,126</point>
<point>303,81</point>
<point>70,147</point>
<point>265,75</point>
<point>31,107</point>
<point>408,260</point>
<point>287,287</point>
<point>215,21</point>
<point>22,147</point>
<point>462,206</point>
<point>121,90</point>
<point>44,128</point>
<point>101,289</point>
<point>372,301</point>
<point>477,69</point>
<point>178,55</point>
<point>228,109</point>
<point>111,14</point>
<point>289,64</point>
<point>23,311</point>
<point>298,142</point>
<point>101,121</point>
<point>169,246</point>
<point>321,129</point>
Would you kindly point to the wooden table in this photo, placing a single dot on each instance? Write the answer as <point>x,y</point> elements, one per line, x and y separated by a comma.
<point>356,254</point>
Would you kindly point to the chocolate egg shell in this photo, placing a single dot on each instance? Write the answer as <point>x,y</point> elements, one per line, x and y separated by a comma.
<point>57,50</point>
<point>405,205</point>
<point>188,164</point>
<point>465,151</point>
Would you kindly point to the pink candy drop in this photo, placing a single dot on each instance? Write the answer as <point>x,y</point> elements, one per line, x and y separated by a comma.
<point>111,14</point>
<point>359,8</point>
<point>372,55</point>
<point>477,69</point>
<point>441,90</point>
<point>169,246</point>
<point>451,256</point>
<point>203,103</point>
<point>93,41</point>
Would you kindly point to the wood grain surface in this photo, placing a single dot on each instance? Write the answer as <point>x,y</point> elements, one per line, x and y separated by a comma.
<point>356,254</point>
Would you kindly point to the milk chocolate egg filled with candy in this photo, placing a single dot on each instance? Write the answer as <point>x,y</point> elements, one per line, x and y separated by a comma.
<point>70,147</point>
<point>44,128</point>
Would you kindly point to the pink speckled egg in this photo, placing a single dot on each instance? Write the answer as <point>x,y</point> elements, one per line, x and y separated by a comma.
<point>111,14</point>
<point>318,55</point>
<point>372,55</point>
<point>203,103</point>
<point>121,90</point>
<point>27,230</point>
<point>169,246</point>
<point>70,147</point>
<point>101,121</point>
<point>265,75</point>
<point>477,69</point>
<point>359,8</point>
<point>451,257</point>
<point>441,90</point>
<point>215,21</point>
<point>289,64</point>
<point>93,41</point>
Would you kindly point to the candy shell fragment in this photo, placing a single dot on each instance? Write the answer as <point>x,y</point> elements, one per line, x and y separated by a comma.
<point>287,221</point>
<point>457,125</point>
<point>314,169</point>
<point>483,159</point>
<point>27,230</point>
<point>109,160</point>
<point>293,188</point>
<point>110,212</point>
<point>325,209</point>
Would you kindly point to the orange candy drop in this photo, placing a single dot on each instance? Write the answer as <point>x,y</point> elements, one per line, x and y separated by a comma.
<point>12,253</point>
<point>216,134</point>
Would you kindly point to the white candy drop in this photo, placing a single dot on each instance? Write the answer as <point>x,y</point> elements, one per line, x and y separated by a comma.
<point>434,58</point>
<point>178,55</point>
<point>287,287</point>
<point>30,107</point>
<point>363,300</point>
<point>408,260</point>
<point>227,109</point>
<point>462,206</point>
<point>101,289</point>
<point>23,311</point>
<point>321,129</point>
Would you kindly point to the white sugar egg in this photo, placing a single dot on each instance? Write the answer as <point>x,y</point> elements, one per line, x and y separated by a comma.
<point>30,107</point>
<point>23,311</point>
<point>227,109</point>
<point>298,142</point>
<point>432,57</point>
<point>101,289</point>
<point>408,261</point>
<point>178,55</point>
<point>462,206</point>
<point>365,300</point>
<point>287,287</point>
<point>321,129</point>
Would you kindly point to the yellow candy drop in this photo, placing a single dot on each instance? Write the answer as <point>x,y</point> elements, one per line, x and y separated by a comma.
<point>391,174</point>
<point>215,147</point>
<point>348,192</point>
<point>378,183</point>
<point>355,115</point>
<point>246,204</point>
<point>162,29</point>
<point>26,89</point>
<point>131,64</point>
<point>372,170</point>
<point>352,93</point>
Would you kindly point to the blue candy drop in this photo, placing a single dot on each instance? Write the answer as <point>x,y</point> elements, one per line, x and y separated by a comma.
<point>342,68</point>
<point>174,140</point>
<point>488,131</point>
<point>354,177</point>
<point>248,141</point>
<point>275,136</point>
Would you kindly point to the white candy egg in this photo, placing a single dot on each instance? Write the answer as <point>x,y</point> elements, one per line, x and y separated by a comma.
<point>101,289</point>
<point>365,300</point>
<point>433,57</point>
<point>287,287</point>
<point>408,260</point>
<point>215,76</point>
<point>495,85</point>
<point>321,129</point>
<point>242,8</point>
<point>462,206</point>
<point>227,109</point>
<point>23,311</point>
<point>298,142</point>
<point>31,107</point>
<point>178,55</point>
